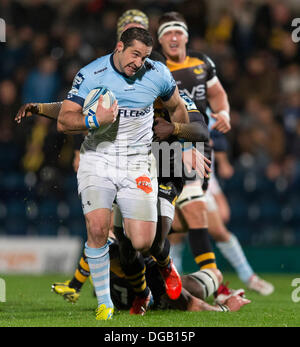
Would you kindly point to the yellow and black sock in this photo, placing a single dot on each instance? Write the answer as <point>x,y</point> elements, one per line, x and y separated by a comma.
<point>132,264</point>
<point>162,256</point>
<point>201,248</point>
<point>135,275</point>
<point>138,283</point>
<point>81,274</point>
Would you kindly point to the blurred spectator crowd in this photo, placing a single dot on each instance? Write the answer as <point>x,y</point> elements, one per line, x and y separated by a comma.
<point>47,42</point>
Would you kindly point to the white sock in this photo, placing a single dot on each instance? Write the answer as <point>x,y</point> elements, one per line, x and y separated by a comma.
<point>233,252</point>
<point>98,260</point>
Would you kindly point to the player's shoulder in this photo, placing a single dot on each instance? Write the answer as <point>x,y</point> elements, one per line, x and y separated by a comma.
<point>201,56</point>
<point>96,66</point>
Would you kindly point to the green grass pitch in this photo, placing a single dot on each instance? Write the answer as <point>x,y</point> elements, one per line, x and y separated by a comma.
<point>30,303</point>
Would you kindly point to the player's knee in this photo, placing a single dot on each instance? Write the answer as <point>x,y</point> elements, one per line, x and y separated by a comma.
<point>157,247</point>
<point>141,245</point>
<point>220,234</point>
<point>222,237</point>
<point>97,232</point>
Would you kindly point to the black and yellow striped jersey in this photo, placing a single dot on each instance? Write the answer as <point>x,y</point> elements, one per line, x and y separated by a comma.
<point>193,76</point>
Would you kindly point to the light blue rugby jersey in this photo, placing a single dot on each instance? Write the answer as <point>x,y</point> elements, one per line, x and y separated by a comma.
<point>132,132</point>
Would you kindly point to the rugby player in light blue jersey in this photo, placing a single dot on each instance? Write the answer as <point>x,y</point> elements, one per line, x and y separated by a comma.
<point>115,165</point>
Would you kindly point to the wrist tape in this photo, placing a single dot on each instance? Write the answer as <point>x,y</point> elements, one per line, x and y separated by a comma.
<point>223,308</point>
<point>91,122</point>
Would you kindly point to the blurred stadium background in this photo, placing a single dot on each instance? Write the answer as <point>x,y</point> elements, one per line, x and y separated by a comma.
<point>47,42</point>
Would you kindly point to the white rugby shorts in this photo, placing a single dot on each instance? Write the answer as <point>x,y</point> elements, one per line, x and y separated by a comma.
<point>135,191</point>
<point>191,192</point>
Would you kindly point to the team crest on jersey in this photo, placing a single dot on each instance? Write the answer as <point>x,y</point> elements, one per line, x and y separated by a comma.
<point>79,78</point>
<point>144,183</point>
<point>198,70</point>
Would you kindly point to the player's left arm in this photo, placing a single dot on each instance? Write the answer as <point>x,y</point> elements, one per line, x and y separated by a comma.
<point>218,101</point>
<point>196,130</point>
<point>48,110</point>
<point>176,108</point>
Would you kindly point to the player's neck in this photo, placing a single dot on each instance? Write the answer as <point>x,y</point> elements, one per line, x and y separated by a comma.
<point>115,62</point>
<point>178,59</point>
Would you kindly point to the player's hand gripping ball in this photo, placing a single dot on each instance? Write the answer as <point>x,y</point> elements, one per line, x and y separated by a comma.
<point>107,109</point>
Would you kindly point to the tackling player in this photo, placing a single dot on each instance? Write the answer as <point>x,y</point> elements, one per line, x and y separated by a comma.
<point>196,288</point>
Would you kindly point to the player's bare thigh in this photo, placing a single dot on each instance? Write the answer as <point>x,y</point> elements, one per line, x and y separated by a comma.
<point>195,214</point>
<point>141,233</point>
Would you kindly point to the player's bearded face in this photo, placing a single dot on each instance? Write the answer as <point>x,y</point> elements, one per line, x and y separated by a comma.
<point>173,43</point>
<point>133,57</point>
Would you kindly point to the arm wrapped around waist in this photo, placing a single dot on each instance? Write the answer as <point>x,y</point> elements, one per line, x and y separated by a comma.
<point>49,110</point>
<point>195,131</point>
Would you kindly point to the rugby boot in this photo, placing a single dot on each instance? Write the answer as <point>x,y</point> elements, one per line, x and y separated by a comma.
<point>172,280</point>
<point>68,293</point>
<point>140,304</point>
<point>224,293</point>
<point>260,286</point>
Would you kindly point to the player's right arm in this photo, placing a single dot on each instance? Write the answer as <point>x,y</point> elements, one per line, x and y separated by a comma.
<point>70,118</point>
<point>72,121</point>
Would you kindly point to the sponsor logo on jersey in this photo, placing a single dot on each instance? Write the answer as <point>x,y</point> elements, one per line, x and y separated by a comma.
<point>167,189</point>
<point>144,183</point>
<point>135,113</point>
<point>197,93</point>
<point>96,72</point>
<point>129,88</point>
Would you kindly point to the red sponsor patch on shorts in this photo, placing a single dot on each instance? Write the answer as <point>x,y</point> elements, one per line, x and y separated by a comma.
<point>144,183</point>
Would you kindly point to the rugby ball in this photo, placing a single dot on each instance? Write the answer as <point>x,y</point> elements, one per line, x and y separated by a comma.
<point>91,103</point>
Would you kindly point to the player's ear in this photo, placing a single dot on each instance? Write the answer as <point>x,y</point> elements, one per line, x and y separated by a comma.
<point>120,46</point>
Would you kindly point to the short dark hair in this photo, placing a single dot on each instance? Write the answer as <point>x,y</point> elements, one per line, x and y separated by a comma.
<point>171,17</point>
<point>139,34</point>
